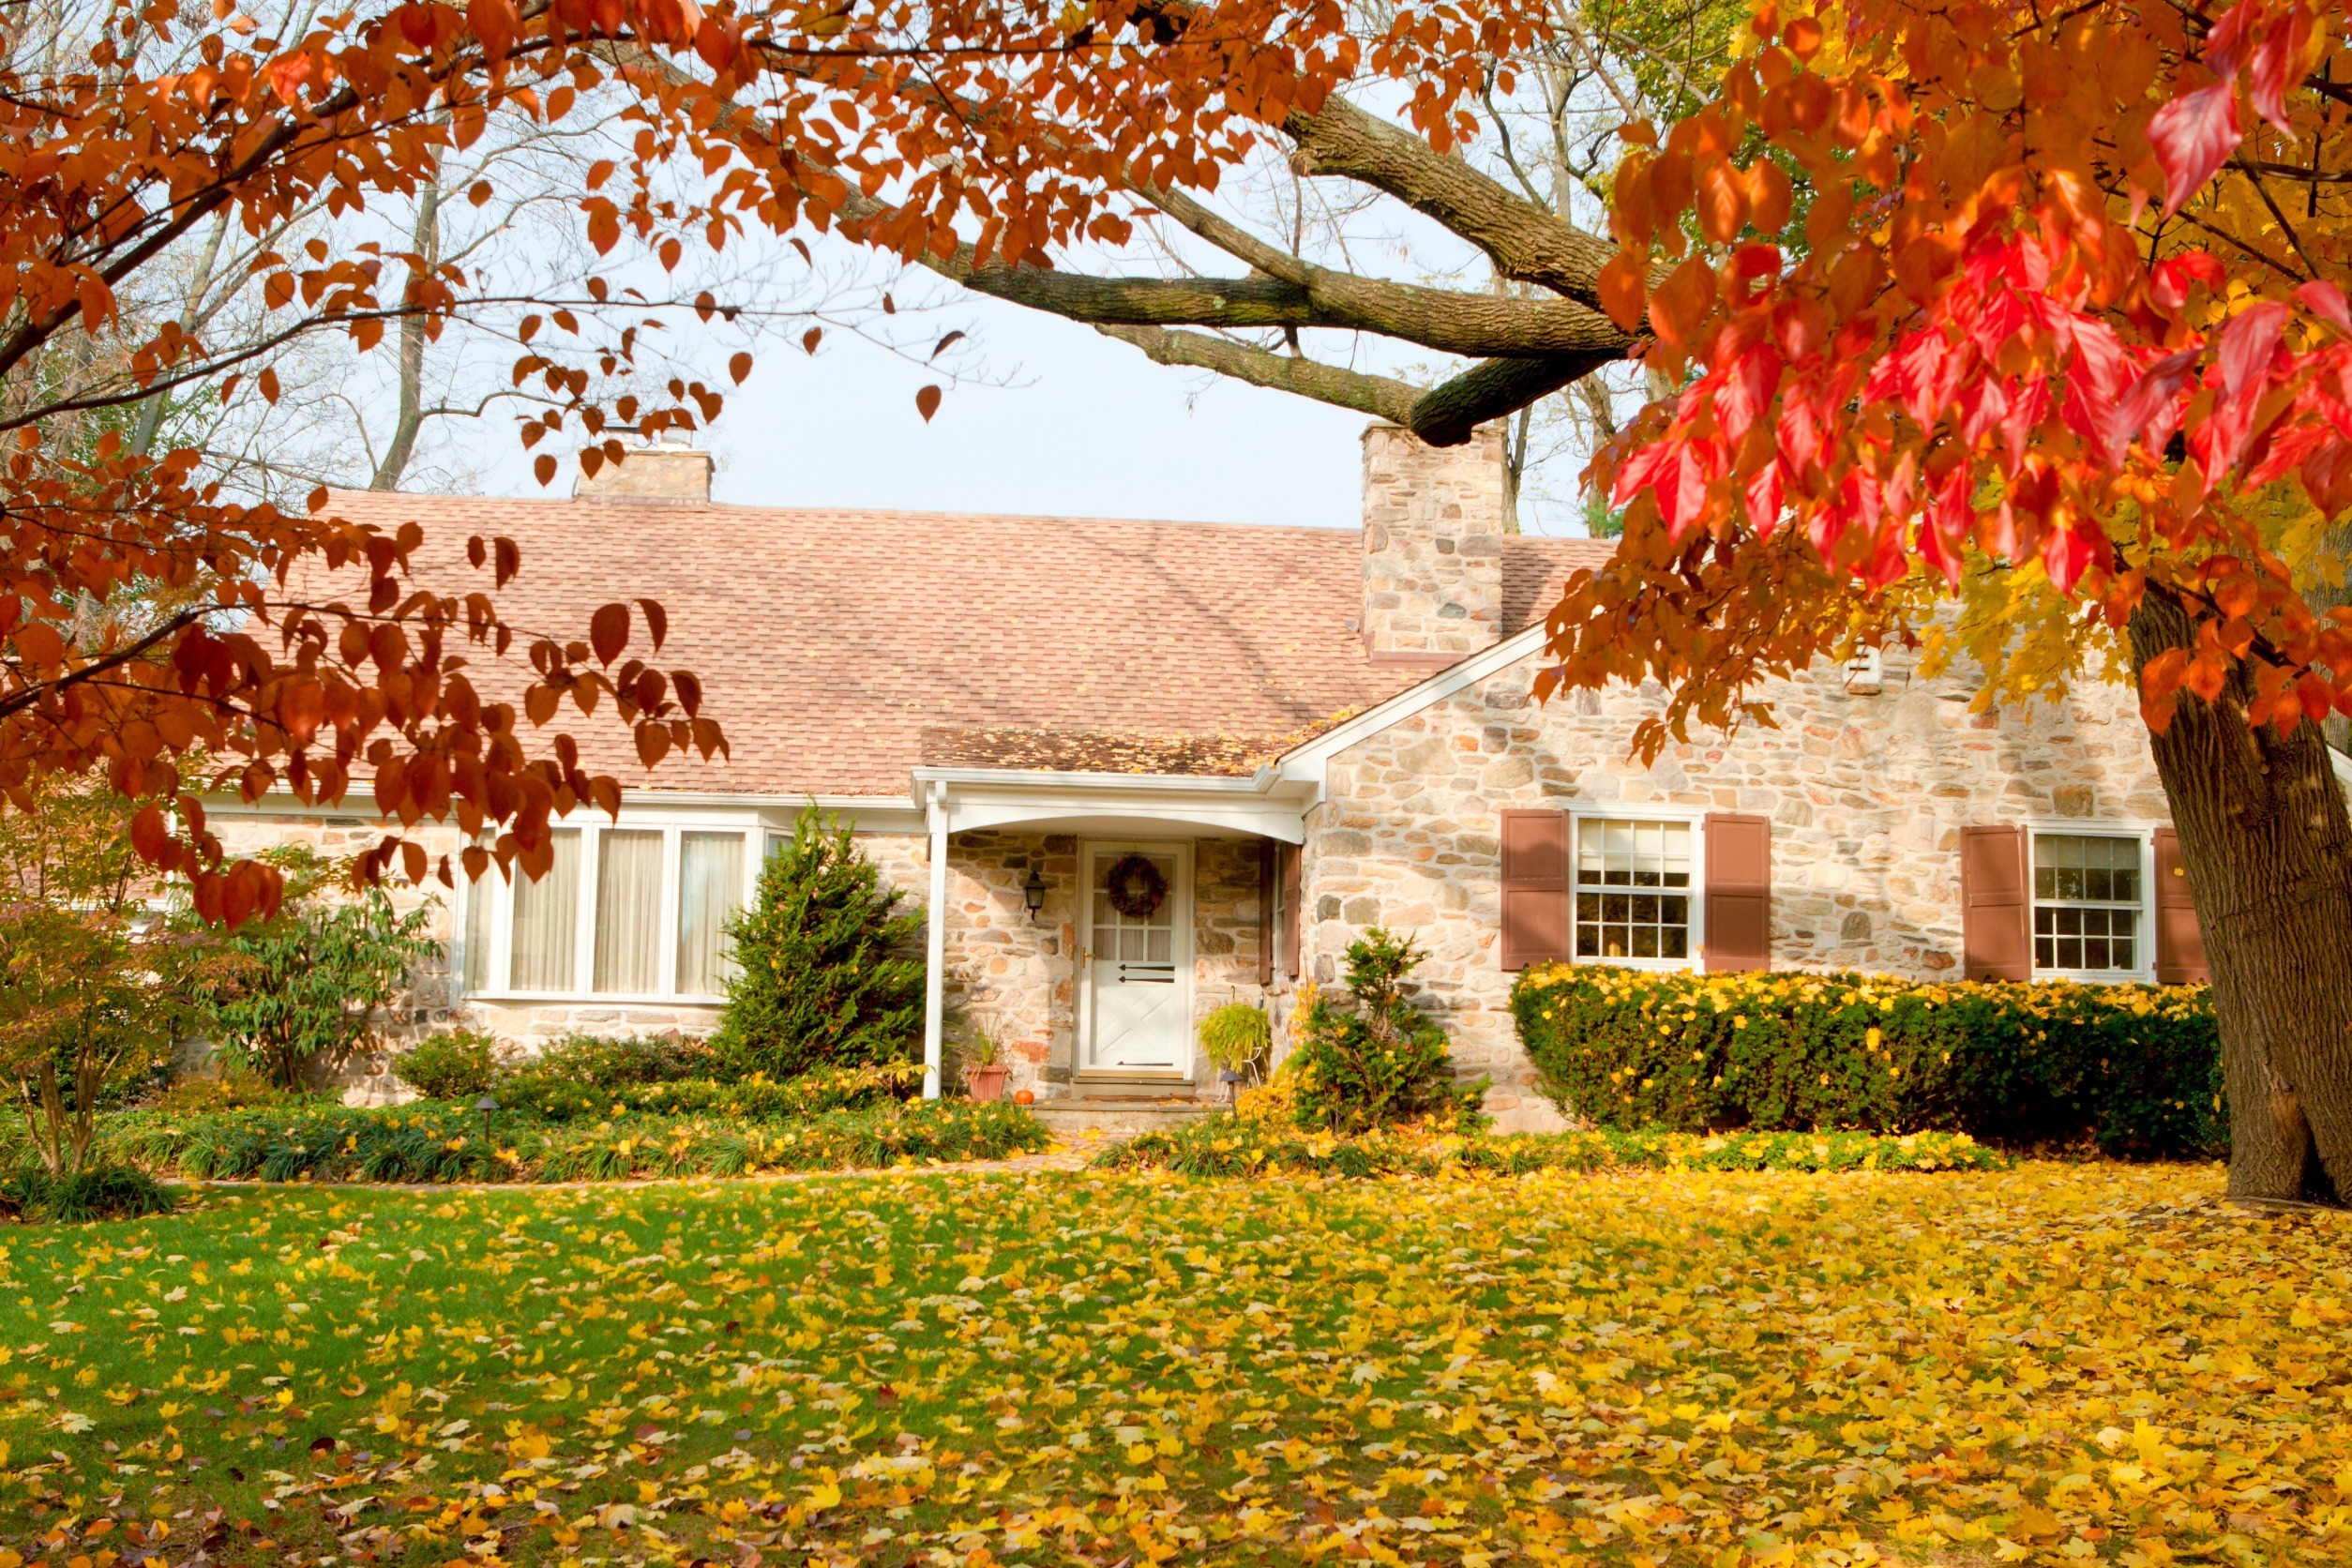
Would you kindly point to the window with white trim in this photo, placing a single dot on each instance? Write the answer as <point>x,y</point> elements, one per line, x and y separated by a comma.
<point>2088,904</point>
<point>638,911</point>
<point>1634,890</point>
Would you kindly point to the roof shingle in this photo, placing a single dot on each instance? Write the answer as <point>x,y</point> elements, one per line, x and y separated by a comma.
<point>840,648</point>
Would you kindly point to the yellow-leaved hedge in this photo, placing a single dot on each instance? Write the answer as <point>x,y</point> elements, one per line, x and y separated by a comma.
<point>2135,1068</point>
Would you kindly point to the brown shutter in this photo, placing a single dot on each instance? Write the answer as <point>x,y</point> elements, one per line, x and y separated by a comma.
<point>2180,945</point>
<point>1265,912</point>
<point>1739,893</point>
<point>1995,904</point>
<point>1535,924</point>
<point>1291,854</point>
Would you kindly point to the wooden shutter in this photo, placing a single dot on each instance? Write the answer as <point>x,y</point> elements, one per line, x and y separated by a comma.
<point>1288,904</point>
<point>1265,912</point>
<point>1535,923</point>
<point>2180,945</point>
<point>1739,893</point>
<point>1995,904</point>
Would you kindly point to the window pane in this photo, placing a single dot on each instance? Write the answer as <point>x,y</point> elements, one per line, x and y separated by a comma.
<point>2086,894</point>
<point>546,921</point>
<point>1634,861</point>
<point>710,891</point>
<point>478,895</point>
<point>628,913</point>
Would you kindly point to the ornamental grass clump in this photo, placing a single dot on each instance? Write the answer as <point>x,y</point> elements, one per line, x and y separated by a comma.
<point>2133,1070</point>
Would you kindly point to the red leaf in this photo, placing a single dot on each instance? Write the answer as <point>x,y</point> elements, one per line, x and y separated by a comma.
<point>608,632</point>
<point>656,622</point>
<point>926,402</point>
<point>2249,342</point>
<point>2191,136</point>
<point>2325,301</point>
<point>738,368</point>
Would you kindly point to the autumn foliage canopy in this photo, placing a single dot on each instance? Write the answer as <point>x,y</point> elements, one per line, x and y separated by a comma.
<point>2049,290</point>
<point>280,648</point>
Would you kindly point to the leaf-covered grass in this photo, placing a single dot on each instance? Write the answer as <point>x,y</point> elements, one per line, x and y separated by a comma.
<point>1225,1144</point>
<point>2055,1363</point>
<point>432,1141</point>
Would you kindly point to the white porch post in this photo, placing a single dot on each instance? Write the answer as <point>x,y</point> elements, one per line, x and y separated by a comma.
<point>935,946</point>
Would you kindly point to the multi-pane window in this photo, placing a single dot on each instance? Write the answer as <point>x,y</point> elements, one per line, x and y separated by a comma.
<point>1633,889</point>
<point>2087,893</point>
<point>623,911</point>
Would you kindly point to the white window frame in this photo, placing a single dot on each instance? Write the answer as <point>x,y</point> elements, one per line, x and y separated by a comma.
<point>2144,943</point>
<point>673,823</point>
<point>1693,817</point>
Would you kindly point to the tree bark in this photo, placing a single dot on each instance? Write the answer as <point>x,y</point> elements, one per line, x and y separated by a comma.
<point>2267,845</point>
<point>411,418</point>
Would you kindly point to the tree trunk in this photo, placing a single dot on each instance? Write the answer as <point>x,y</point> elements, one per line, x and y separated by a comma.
<point>411,418</point>
<point>2268,847</point>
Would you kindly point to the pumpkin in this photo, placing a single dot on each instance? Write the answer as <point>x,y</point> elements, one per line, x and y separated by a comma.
<point>1023,1097</point>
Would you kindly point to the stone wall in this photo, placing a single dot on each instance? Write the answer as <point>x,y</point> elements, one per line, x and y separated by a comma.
<point>1432,557</point>
<point>1866,794</point>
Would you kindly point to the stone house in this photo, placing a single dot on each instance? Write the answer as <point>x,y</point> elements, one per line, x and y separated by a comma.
<point>1136,770</point>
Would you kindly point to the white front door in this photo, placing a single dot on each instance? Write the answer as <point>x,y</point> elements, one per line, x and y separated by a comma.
<point>1137,960</point>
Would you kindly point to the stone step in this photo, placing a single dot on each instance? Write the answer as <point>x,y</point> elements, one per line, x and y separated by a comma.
<point>1108,1115</point>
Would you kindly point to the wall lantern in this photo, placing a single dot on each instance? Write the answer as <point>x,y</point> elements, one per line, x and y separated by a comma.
<point>1033,894</point>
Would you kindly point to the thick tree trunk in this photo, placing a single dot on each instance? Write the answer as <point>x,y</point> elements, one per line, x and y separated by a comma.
<point>2268,845</point>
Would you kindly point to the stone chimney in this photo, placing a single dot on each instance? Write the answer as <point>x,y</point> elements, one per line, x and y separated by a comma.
<point>666,471</point>
<point>1432,547</point>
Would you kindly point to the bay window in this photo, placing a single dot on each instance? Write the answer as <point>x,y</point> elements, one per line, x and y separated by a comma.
<point>637,910</point>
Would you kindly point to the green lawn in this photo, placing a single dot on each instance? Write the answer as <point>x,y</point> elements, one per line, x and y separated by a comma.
<point>2060,1364</point>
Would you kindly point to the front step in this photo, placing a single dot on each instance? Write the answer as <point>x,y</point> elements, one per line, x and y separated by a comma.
<point>1119,1111</point>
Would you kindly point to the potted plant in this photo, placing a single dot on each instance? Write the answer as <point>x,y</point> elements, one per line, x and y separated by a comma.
<point>1236,1037</point>
<point>984,1071</point>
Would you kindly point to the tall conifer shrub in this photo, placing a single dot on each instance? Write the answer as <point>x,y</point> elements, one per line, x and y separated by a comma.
<point>825,980</point>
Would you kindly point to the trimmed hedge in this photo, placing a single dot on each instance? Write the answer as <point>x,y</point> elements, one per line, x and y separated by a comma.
<point>1225,1145</point>
<point>2135,1069</point>
<point>434,1142</point>
<point>554,1097</point>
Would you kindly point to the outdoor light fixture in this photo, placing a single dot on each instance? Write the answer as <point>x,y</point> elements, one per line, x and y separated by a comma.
<point>1033,894</point>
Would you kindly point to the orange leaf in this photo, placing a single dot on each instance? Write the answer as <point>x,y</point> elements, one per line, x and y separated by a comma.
<point>926,402</point>
<point>1625,290</point>
<point>608,632</point>
<point>738,368</point>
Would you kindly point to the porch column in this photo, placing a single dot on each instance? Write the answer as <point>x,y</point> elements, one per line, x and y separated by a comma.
<point>935,946</point>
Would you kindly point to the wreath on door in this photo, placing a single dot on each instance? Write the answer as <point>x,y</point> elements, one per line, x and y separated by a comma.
<point>1136,887</point>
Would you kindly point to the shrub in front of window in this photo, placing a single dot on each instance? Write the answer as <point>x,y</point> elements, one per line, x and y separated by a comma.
<point>306,984</point>
<point>2135,1069</point>
<point>462,1063</point>
<point>1379,1060</point>
<point>825,977</point>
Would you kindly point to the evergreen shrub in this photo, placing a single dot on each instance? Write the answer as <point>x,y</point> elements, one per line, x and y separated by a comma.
<point>2134,1069</point>
<point>1379,1059</point>
<point>825,975</point>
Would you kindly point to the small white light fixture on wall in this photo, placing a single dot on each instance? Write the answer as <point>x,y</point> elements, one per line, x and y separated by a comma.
<point>1865,673</point>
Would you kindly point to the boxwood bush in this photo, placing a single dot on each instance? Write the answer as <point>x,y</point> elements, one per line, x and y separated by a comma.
<point>2135,1069</point>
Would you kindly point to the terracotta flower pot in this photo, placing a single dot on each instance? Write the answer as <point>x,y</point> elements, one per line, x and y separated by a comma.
<point>987,1083</point>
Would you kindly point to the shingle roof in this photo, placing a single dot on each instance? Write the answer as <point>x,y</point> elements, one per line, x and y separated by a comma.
<point>840,648</point>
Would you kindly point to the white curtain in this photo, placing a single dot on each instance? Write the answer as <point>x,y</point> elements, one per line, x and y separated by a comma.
<point>710,890</point>
<point>628,913</point>
<point>546,921</point>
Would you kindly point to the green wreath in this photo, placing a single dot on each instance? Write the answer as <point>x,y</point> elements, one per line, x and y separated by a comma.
<point>1136,887</point>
